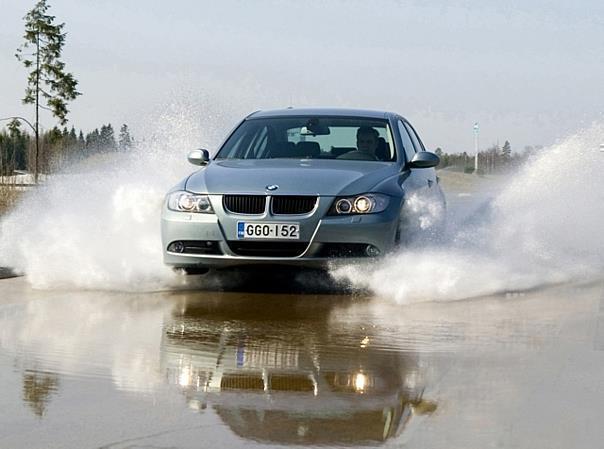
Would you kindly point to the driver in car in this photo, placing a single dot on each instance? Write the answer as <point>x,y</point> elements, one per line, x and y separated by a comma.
<point>367,140</point>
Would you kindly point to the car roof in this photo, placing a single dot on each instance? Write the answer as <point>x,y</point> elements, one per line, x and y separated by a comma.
<point>317,112</point>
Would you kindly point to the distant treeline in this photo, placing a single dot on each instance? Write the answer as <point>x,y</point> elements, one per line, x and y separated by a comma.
<point>494,159</point>
<point>59,147</point>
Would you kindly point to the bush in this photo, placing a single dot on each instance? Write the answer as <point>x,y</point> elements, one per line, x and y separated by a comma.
<point>468,170</point>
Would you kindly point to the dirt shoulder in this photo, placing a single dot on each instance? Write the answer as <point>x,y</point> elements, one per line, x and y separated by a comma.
<point>457,182</point>
<point>8,197</point>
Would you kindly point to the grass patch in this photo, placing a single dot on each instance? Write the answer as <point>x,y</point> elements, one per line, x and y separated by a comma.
<point>9,195</point>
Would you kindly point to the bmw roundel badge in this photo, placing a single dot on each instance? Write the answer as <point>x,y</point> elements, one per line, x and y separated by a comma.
<point>272,187</point>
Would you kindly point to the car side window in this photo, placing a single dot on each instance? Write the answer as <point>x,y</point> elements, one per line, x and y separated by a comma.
<point>416,142</point>
<point>407,144</point>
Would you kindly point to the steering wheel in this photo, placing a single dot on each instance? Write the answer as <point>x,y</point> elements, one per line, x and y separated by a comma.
<point>358,156</point>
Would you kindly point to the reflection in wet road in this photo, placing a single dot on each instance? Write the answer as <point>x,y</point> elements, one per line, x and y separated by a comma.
<point>218,369</point>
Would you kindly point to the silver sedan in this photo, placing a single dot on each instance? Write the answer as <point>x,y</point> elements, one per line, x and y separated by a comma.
<point>300,187</point>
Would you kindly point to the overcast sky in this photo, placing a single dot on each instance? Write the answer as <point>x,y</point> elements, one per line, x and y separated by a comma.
<point>530,71</point>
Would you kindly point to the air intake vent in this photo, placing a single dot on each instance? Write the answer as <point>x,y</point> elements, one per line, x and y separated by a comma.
<point>244,204</point>
<point>293,205</point>
<point>268,248</point>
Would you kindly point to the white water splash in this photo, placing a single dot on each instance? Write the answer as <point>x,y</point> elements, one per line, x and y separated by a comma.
<point>544,227</point>
<point>98,226</point>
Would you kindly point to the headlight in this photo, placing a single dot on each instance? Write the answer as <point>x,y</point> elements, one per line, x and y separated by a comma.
<point>369,203</point>
<point>190,202</point>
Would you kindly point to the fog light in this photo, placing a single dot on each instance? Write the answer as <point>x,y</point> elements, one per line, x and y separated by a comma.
<point>372,251</point>
<point>176,247</point>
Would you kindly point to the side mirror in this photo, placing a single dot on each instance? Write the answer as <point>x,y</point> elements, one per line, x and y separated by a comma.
<point>199,157</point>
<point>424,159</point>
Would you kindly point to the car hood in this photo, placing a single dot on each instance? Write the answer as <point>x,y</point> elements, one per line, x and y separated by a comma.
<point>292,176</point>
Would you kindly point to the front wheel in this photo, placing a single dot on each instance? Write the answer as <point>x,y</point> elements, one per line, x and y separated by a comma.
<point>420,229</point>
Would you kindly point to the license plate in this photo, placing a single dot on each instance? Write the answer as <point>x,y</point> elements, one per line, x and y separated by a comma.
<point>278,231</point>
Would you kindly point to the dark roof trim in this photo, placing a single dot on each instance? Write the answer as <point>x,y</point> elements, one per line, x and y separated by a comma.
<point>317,112</point>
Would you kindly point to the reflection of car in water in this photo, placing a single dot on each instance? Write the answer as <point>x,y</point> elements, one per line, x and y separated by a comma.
<point>302,383</point>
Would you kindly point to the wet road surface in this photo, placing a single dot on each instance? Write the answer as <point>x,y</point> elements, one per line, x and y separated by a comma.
<point>268,363</point>
<point>192,369</point>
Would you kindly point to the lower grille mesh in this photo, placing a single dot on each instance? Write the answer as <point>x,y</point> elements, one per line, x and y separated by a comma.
<point>268,249</point>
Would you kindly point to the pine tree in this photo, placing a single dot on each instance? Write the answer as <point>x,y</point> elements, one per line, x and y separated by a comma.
<point>92,141</point>
<point>107,138</point>
<point>47,77</point>
<point>125,141</point>
<point>506,152</point>
<point>13,148</point>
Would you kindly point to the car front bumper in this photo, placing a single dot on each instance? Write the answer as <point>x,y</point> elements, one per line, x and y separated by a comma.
<point>324,240</point>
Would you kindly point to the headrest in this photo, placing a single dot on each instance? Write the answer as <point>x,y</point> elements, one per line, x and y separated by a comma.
<point>308,149</point>
<point>283,149</point>
<point>382,152</point>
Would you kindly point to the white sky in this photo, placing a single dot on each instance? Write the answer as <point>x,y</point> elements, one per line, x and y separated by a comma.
<point>528,71</point>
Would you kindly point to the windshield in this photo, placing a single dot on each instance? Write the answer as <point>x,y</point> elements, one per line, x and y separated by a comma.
<point>311,138</point>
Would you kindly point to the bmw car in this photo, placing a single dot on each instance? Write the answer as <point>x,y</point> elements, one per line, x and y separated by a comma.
<point>302,187</point>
